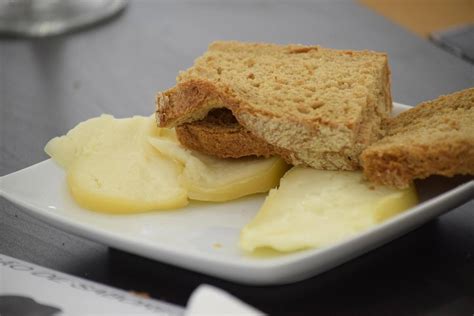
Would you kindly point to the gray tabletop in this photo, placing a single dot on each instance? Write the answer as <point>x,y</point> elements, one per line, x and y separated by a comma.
<point>49,85</point>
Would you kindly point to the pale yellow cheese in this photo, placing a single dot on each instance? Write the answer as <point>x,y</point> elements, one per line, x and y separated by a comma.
<point>65,149</point>
<point>112,168</point>
<point>213,179</point>
<point>130,165</point>
<point>316,208</point>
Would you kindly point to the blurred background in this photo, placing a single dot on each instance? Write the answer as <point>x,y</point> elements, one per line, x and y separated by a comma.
<point>424,17</point>
<point>448,24</point>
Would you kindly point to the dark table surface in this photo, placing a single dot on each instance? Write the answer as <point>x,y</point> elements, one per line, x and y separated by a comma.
<point>49,85</point>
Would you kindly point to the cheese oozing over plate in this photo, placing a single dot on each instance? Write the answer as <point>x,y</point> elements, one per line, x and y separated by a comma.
<point>130,165</point>
<point>316,208</point>
<point>213,179</point>
<point>112,168</point>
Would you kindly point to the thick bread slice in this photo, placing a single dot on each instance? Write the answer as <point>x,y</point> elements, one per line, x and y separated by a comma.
<point>435,137</point>
<point>321,105</point>
<point>220,135</point>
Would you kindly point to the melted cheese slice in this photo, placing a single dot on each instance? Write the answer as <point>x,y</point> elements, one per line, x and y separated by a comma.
<point>111,167</point>
<point>316,208</point>
<point>213,179</point>
<point>130,165</point>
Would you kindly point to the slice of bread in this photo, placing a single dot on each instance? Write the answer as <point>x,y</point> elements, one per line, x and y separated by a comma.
<point>219,134</point>
<point>434,138</point>
<point>323,106</point>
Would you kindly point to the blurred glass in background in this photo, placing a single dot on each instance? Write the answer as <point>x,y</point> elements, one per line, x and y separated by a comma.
<point>40,18</point>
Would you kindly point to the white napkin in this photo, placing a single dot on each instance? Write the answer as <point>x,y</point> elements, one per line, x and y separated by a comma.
<point>209,300</point>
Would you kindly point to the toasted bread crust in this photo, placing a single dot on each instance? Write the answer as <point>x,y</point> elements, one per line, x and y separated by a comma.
<point>325,130</point>
<point>220,135</point>
<point>434,138</point>
<point>399,166</point>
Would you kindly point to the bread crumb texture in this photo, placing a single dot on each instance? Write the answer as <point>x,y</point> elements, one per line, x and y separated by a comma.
<point>435,137</point>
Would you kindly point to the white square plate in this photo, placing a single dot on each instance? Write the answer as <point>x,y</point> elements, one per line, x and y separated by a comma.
<point>203,236</point>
